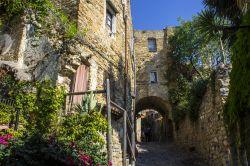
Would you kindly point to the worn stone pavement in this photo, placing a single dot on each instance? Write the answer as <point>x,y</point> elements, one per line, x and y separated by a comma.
<point>167,154</point>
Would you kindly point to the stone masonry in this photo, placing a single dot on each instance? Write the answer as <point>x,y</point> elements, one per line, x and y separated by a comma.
<point>152,95</point>
<point>36,57</point>
<point>150,61</point>
<point>208,135</point>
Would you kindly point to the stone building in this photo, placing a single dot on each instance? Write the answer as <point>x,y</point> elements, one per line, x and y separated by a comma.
<point>208,134</point>
<point>151,50</point>
<point>79,64</point>
<point>85,62</point>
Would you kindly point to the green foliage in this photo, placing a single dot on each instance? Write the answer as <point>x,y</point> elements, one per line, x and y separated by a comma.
<point>227,8</point>
<point>186,98</point>
<point>42,139</point>
<point>195,54</point>
<point>37,151</point>
<point>7,82</point>
<point>88,127</point>
<point>15,134</point>
<point>17,7</point>
<point>85,129</point>
<point>86,124</point>
<point>42,105</point>
<point>7,144</point>
<point>197,92</point>
<point>239,94</point>
<point>7,114</point>
<point>179,98</point>
<point>88,105</point>
<point>45,10</point>
<point>194,50</point>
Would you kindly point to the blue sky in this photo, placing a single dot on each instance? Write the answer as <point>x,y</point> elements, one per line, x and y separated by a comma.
<point>157,14</point>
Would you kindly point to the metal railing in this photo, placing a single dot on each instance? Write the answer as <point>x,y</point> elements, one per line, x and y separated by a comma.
<point>11,103</point>
<point>127,122</point>
<point>127,135</point>
<point>109,132</point>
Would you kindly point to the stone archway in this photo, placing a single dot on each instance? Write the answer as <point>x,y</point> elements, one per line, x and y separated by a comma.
<point>163,108</point>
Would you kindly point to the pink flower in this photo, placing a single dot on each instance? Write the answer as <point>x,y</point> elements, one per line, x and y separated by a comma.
<point>8,136</point>
<point>86,159</point>
<point>98,164</point>
<point>109,163</point>
<point>3,142</point>
<point>2,138</point>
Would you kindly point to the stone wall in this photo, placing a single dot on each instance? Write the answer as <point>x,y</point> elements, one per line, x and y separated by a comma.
<point>151,61</point>
<point>208,134</point>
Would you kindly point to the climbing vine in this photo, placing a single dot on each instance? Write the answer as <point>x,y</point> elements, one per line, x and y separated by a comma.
<point>186,97</point>
<point>239,95</point>
<point>46,12</point>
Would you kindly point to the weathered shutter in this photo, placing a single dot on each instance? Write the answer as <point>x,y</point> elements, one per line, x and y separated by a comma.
<point>81,82</point>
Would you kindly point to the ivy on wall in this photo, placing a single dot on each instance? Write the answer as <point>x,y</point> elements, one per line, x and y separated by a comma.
<point>46,11</point>
<point>186,98</point>
<point>239,95</point>
<point>237,110</point>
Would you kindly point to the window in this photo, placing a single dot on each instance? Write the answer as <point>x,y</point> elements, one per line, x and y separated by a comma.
<point>110,17</point>
<point>153,77</point>
<point>152,45</point>
<point>109,20</point>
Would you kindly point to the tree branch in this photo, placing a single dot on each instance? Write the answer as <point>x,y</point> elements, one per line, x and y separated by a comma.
<point>197,71</point>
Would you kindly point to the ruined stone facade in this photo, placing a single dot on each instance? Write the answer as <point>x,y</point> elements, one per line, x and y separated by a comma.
<point>101,49</point>
<point>208,134</point>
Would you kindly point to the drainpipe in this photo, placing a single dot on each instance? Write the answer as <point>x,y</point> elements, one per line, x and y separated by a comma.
<point>125,91</point>
<point>133,109</point>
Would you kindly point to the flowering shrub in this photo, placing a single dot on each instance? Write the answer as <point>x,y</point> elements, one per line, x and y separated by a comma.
<point>77,141</point>
<point>86,154</point>
<point>84,132</point>
<point>7,143</point>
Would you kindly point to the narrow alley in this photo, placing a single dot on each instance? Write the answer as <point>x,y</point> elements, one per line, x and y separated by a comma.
<point>167,154</point>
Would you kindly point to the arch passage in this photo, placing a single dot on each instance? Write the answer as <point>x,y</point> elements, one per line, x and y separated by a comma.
<point>153,102</point>
<point>162,107</point>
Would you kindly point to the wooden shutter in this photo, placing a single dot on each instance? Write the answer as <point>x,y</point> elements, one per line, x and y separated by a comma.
<point>80,83</point>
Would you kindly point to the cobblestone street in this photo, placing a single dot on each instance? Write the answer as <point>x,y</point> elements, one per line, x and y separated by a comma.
<point>168,154</point>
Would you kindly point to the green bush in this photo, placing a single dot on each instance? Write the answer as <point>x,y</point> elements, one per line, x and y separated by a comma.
<point>239,94</point>
<point>45,137</point>
<point>40,105</point>
<point>197,92</point>
<point>186,98</point>
<point>7,114</point>
<point>179,98</point>
<point>46,11</point>
<point>7,144</point>
<point>85,129</point>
